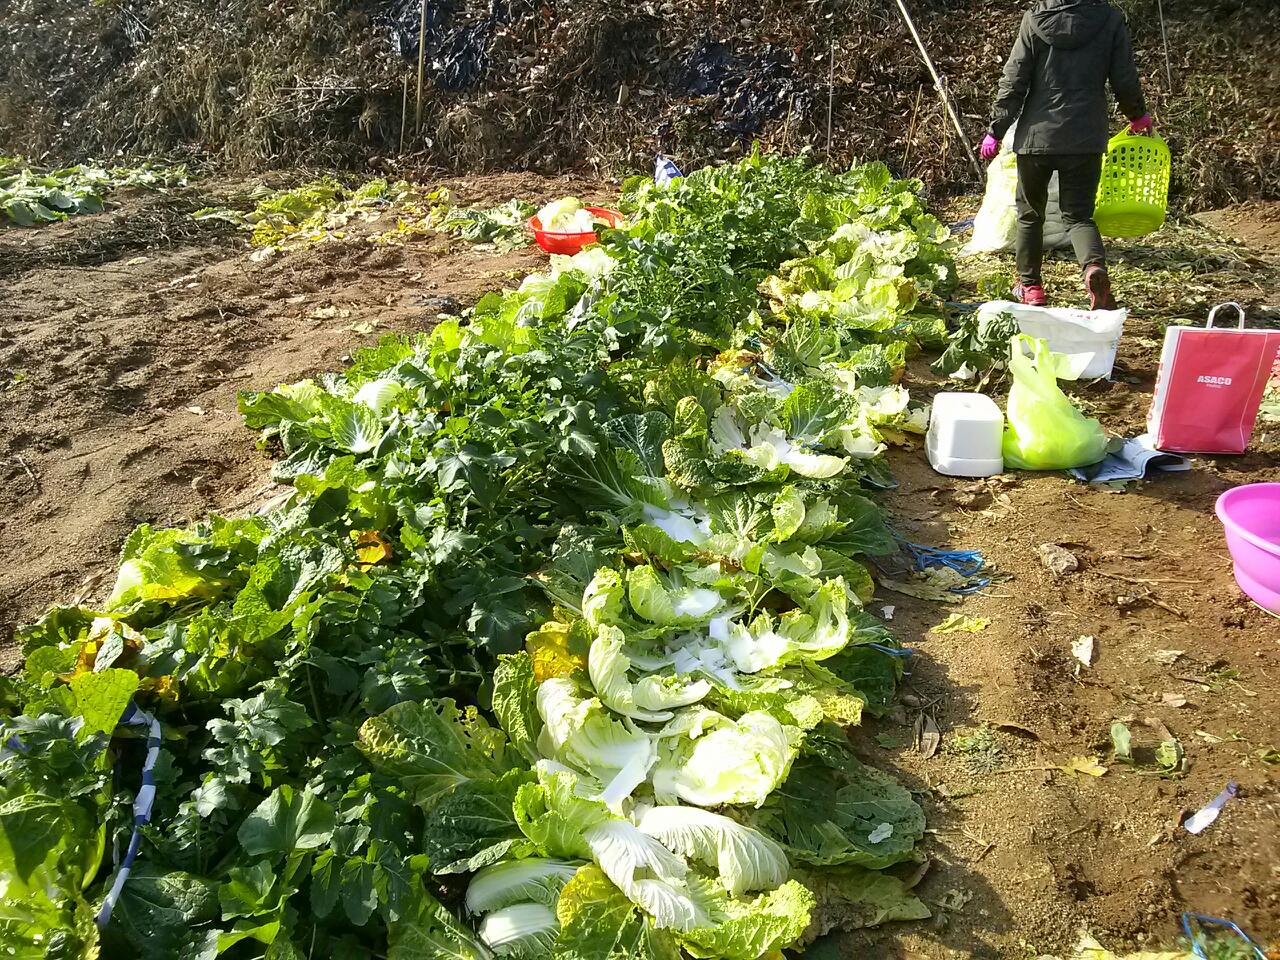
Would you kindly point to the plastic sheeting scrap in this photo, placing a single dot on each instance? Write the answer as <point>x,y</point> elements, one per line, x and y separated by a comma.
<point>753,89</point>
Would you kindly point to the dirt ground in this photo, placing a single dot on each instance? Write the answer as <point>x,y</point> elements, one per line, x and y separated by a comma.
<point>119,364</point>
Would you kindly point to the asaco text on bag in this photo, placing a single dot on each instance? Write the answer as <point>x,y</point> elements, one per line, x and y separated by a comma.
<point>1210,386</point>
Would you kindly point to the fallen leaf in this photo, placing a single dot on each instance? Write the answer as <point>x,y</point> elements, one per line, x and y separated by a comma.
<point>957,623</point>
<point>1173,700</point>
<point>135,261</point>
<point>1085,765</point>
<point>1010,727</point>
<point>922,590</point>
<point>1156,724</point>
<point>1167,657</point>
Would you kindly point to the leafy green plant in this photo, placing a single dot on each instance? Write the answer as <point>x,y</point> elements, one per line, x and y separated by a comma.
<point>980,748</point>
<point>978,348</point>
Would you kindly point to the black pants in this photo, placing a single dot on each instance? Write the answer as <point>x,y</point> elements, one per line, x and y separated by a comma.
<point>1078,176</point>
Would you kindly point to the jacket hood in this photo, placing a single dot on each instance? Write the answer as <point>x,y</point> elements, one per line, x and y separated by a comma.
<point>1069,24</point>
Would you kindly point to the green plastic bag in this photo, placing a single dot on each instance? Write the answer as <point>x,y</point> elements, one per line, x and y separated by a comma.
<point>1044,431</point>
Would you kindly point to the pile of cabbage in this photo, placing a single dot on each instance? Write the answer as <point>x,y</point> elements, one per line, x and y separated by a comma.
<point>568,215</point>
<point>552,651</point>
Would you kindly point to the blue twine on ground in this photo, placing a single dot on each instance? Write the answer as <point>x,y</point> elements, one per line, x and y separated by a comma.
<point>968,563</point>
<point>1198,948</point>
<point>142,804</point>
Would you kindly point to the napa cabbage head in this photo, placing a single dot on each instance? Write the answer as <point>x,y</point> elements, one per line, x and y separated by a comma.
<point>657,601</point>
<point>708,760</point>
<point>566,215</point>
<point>603,601</point>
<point>535,880</point>
<point>686,525</point>
<point>522,931</point>
<point>581,733</point>
<point>768,447</point>
<point>744,858</point>
<point>379,395</point>
<point>816,632</point>
<point>650,699</point>
<point>554,812</point>
<point>592,262</point>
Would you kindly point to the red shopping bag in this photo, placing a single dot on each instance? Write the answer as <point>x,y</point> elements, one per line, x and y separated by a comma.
<point>1210,385</point>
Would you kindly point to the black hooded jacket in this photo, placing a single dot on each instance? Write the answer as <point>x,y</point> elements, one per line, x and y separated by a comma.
<point>1054,84</point>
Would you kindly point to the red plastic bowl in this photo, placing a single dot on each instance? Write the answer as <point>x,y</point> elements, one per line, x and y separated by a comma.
<point>555,241</point>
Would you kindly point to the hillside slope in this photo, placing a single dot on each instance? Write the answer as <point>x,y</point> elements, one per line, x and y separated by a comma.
<point>595,84</point>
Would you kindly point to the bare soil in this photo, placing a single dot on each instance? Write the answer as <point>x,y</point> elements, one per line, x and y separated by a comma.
<point>1255,224</point>
<point>119,367</point>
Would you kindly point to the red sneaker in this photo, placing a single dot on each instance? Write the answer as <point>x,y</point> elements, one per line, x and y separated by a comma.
<point>1097,283</point>
<point>1032,294</point>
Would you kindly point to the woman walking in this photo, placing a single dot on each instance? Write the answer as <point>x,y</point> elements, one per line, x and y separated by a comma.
<point>1054,86</point>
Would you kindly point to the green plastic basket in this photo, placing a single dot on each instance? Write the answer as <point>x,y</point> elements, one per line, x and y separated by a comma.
<point>1133,196</point>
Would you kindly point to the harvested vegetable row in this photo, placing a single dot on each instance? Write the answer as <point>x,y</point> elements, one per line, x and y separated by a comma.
<point>551,651</point>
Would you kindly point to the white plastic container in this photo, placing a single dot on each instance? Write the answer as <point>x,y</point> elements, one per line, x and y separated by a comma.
<point>1088,339</point>
<point>965,432</point>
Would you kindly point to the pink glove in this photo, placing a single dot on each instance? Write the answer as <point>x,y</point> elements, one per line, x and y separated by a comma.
<point>990,148</point>
<point>1142,125</point>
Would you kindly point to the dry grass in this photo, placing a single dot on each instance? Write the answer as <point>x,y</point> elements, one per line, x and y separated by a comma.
<point>594,84</point>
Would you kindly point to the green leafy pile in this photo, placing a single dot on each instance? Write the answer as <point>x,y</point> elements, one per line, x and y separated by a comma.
<point>29,197</point>
<point>550,652</point>
<point>314,212</point>
<point>505,226</point>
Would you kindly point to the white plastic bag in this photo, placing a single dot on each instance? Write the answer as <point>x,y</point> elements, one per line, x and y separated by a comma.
<point>1085,340</point>
<point>996,226</point>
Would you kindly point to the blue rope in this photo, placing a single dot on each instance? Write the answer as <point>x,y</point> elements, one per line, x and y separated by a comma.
<point>903,652</point>
<point>142,804</point>
<point>968,563</point>
<point>1197,945</point>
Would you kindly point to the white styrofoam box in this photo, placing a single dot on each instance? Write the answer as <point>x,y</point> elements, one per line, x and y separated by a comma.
<point>965,434</point>
<point>1088,339</point>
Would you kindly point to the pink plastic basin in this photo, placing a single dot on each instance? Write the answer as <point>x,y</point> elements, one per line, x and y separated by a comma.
<point>1251,516</point>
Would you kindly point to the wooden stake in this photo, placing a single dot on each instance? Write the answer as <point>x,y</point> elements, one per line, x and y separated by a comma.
<point>942,90</point>
<point>911,133</point>
<point>404,110</point>
<point>1164,36</point>
<point>831,95</point>
<point>422,61</point>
